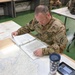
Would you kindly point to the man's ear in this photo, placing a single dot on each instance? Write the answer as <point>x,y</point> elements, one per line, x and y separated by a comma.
<point>48,14</point>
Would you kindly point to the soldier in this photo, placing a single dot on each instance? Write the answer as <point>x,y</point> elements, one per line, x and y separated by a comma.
<point>71,6</point>
<point>55,3</point>
<point>50,30</point>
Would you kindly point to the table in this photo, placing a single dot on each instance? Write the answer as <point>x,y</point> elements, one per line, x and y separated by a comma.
<point>14,61</point>
<point>64,12</point>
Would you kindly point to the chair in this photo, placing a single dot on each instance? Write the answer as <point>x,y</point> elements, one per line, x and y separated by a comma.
<point>71,38</point>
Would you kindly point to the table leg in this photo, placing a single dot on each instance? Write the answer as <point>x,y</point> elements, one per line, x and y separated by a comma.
<point>65,23</point>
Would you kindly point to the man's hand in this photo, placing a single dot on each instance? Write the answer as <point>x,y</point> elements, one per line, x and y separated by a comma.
<point>38,52</point>
<point>14,33</point>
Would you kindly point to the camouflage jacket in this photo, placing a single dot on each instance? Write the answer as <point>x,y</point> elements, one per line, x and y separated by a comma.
<point>71,6</point>
<point>55,4</point>
<point>54,34</point>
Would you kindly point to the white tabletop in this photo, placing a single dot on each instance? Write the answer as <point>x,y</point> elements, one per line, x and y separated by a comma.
<point>63,11</point>
<point>13,61</point>
<point>6,28</point>
<point>17,62</point>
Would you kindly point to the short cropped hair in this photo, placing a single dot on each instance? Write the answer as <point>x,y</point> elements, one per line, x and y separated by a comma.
<point>41,9</point>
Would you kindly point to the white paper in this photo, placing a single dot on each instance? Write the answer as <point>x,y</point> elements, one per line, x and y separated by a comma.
<point>43,65</point>
<point>17,64</point>
<point>29,44</point>
<point>6,28</point>
<point>23,39</point>
<point>29,48</point>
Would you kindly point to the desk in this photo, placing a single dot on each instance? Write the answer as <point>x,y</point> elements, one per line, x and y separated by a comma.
<point>17,62</point>
<point>64,12</point>
<point>13,61</point>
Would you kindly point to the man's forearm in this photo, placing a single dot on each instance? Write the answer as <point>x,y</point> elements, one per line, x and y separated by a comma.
<point>51,49</point>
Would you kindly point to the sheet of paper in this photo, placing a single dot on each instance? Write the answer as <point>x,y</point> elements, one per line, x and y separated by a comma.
<point>43,65</point>
<point>29,48</point>
<point>6,28</point>
<point>23,39</point>
<point>13,61</point>
<point>18,64</point>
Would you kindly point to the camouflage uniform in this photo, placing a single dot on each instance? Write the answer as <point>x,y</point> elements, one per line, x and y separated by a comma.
<point>53,4</point>
<point>71,6</point>
<point>53,34</point>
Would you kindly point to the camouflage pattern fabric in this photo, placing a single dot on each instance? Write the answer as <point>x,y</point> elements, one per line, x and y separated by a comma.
<point>54,34</point>
<point>54,4</point>
<point>71,6</point>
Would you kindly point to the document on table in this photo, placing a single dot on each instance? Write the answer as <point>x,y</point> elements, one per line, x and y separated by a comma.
<point>32,46</point>
<point>23,39</point>
<point>29,44</point>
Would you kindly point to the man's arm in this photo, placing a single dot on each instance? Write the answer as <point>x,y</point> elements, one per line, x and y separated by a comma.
<point>59,40</point>
<point>58,46</point>
<point>27,28</point>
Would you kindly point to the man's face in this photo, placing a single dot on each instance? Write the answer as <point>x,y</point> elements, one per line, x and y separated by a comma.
<point>43,18</point>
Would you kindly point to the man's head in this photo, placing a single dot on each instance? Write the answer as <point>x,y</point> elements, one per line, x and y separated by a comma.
<point>42,14</point>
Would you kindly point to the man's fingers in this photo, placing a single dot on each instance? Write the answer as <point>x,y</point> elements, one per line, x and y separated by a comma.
<point>36,53</point>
